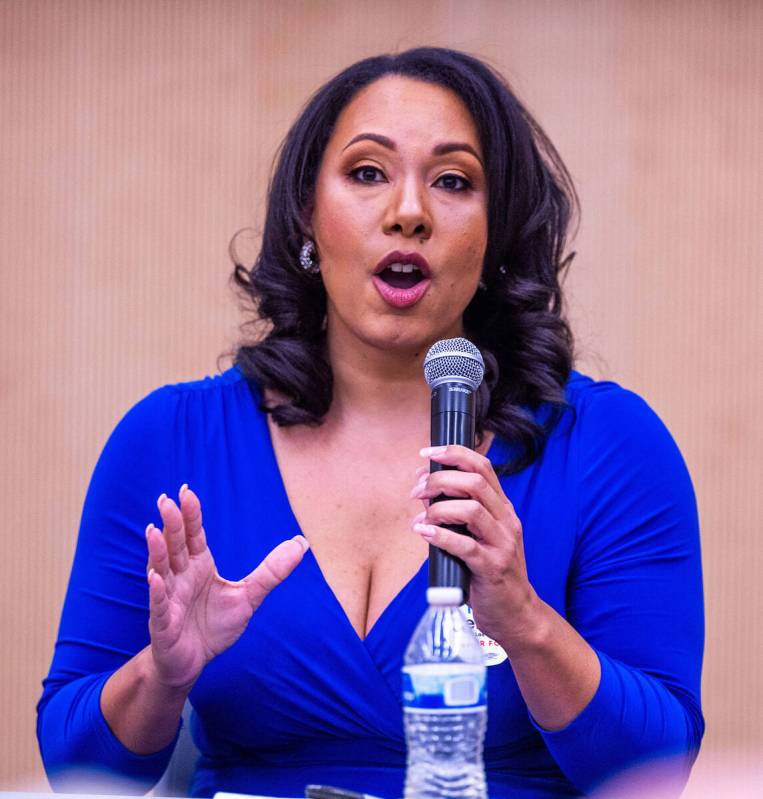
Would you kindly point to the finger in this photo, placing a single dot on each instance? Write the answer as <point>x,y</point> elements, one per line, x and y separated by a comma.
<point>420,486</point>
<point>468,512</point>
<point>460,546</point>
<point>277,566</point>
<point>190,508</point>
<point>465,459</point>
<point>421,479</point>
<point>158,604</point>
<point>470,485</point>
<point>174,534</point>
<point>158,559</point>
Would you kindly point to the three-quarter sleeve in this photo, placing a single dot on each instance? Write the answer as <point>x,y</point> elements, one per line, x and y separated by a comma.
<point>105,615</point>
<point>635,595</point>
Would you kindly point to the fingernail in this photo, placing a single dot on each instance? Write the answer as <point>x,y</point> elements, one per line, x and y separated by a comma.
<point>428,452</point>
<point>418,490</point>
<point>419,517</point>
<point>183,489</point>
<point>148,576</point>
<point>421,471</point>
<point>426,531</point>
<point>160,500</point>
<point>148,528</point>
<point>300,539</point>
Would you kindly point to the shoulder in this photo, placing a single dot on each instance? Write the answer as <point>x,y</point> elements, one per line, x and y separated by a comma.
<point>626,457</point>
<point>174,408</point>
<point>207,389</point>
<point>584,394</point>
<point>175,426</point>
<point>608,415</point>
<point>609,437</point>
<point>207,392</point>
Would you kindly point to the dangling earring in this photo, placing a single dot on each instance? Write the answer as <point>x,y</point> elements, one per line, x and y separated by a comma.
<point>307,258</point>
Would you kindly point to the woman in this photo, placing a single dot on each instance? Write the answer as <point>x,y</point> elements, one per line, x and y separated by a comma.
<point>414,200</point>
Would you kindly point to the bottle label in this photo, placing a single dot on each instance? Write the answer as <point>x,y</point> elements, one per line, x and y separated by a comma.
<point>444,686</point>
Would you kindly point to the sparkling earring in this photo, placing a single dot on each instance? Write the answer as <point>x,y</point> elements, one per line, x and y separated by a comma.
<point>307,258</point>
<point>482,286</point>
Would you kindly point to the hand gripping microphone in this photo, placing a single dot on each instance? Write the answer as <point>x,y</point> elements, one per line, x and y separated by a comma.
<point>454,369</point>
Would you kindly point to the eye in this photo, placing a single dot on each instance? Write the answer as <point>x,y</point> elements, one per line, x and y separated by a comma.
<point>367,174</point>
<point>451,182</point>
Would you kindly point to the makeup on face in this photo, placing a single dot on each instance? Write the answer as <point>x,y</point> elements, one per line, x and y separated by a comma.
<point>402,278</point>
<point>400,217</point>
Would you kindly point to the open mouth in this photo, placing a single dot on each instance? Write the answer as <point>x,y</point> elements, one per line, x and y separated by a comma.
<point>401,276</point>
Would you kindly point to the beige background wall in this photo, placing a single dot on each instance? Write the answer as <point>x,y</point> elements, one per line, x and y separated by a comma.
<point>136,138</point>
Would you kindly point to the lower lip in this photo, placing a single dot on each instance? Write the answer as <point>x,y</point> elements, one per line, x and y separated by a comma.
<point>401,298</point>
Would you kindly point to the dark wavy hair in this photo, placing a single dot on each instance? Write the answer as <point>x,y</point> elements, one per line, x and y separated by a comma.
<point>517,321</point>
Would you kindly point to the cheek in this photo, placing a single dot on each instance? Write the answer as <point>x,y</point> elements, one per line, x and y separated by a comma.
<point>467,226</point>
<point>467,255</point>
<point>337,222</point>
<point>470,245</point>
<point>325,220</point>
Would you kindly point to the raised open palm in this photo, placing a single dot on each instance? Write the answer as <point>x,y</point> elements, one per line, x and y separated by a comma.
<point>195,614</point>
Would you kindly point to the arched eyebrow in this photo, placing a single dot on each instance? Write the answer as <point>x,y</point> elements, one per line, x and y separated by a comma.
<point>439,149</point>
<point>455,146</point>
<point>385,141</point>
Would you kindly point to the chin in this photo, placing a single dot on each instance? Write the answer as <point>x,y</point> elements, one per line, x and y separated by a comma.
<point>407,334</point>
<point>412,331</point>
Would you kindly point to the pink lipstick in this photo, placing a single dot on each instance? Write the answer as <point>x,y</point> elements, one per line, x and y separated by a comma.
<point>402,278</point>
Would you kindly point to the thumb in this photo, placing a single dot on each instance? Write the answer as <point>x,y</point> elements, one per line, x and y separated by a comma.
<point>279,563</point>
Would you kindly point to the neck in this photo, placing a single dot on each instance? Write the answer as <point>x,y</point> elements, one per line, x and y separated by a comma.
<point>385,384</point>
<point>382,391</point>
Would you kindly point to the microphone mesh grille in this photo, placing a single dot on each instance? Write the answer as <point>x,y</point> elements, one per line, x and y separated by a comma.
<point>455,359</point>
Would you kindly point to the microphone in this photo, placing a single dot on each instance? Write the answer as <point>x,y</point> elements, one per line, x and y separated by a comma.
<point>454,369</point>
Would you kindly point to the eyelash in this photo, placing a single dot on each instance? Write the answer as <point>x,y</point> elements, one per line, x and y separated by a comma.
<point>354,174</point>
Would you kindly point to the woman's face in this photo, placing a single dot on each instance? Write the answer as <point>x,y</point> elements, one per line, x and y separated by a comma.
<point>400,217</point>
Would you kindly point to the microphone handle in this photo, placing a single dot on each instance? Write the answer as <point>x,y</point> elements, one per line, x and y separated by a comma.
<point>452,423</point>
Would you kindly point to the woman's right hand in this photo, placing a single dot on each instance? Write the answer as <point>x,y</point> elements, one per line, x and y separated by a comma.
<point>194,613</point>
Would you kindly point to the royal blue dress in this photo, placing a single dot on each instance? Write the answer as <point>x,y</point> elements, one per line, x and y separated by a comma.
<point>611,541</point>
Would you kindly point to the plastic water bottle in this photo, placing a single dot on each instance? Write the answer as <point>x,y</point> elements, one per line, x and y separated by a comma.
<point>444,703</point>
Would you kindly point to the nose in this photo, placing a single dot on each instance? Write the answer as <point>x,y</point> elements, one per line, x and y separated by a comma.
<point>408,211</point>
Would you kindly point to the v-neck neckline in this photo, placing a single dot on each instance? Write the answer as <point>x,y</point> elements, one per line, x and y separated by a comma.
<point>255,394</point>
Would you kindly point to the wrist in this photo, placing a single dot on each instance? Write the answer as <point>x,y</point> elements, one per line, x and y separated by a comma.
<point>141,712</point>
<point>530,629</point>
<point>153,681</point>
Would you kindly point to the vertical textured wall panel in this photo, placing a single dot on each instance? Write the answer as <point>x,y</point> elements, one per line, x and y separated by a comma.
<point>136,139</point>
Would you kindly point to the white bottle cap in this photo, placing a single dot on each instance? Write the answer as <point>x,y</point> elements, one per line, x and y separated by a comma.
<point>445,596</point>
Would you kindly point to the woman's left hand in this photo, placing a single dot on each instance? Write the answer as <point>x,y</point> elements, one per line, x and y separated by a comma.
<point>500,594</point>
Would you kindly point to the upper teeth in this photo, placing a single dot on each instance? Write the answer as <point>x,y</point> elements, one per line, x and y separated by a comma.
<point>403,267</point>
